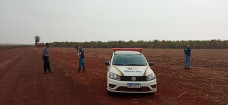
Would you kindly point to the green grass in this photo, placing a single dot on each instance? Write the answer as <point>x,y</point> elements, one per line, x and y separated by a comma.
<point>196,44</point>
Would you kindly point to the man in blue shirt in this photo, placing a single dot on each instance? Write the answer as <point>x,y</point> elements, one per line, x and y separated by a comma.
<point>187,51</point>
<point>81,58</point>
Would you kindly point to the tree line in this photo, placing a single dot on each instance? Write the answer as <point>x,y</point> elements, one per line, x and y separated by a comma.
<point>197,44</point>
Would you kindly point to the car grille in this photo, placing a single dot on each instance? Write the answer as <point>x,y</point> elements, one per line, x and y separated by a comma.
<point>129,78</point>
<point>133,89</point>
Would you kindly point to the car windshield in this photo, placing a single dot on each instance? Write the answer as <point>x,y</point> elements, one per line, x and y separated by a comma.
<point>129,60</point>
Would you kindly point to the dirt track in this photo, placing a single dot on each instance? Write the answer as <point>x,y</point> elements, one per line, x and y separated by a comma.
<point>22,81</point>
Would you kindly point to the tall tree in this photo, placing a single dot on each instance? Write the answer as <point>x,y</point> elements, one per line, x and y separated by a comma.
<point>37,39</point>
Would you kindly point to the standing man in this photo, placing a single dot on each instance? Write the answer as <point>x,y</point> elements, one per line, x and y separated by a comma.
<point>187,51</point>
<point>45,56</point>
<point>81,58</point>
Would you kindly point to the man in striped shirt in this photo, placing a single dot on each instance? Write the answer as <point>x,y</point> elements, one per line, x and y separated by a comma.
<point>45,56</point>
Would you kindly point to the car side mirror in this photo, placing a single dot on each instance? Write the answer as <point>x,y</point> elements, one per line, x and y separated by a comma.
<point>151,63</point>
<point>107,63</point>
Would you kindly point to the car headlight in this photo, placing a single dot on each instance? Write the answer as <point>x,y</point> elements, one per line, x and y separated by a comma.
<point>150,77</point>
<point>114,76</point>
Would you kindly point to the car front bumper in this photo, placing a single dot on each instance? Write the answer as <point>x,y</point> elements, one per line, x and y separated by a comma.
<point>122,86</point>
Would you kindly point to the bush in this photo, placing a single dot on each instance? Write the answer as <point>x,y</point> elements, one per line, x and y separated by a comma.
<point>197,44</point>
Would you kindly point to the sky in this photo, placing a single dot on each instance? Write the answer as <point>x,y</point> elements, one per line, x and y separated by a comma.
<point>110,20</point>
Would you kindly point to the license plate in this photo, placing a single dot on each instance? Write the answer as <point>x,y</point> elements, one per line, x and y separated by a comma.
<point>133,85</point>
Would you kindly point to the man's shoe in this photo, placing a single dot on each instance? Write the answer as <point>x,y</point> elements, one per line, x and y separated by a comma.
<point>50,72</point>
<point>79,69</point>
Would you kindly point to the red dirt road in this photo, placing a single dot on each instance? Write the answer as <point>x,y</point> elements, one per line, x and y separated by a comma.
<point>22,81</point>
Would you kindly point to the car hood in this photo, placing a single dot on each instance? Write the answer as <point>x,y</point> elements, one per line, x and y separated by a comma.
<point>132,70</point>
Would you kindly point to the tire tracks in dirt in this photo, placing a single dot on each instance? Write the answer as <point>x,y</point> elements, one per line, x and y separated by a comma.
<point>22,81</point>
<point>93,82</point>
<point>8,60</point>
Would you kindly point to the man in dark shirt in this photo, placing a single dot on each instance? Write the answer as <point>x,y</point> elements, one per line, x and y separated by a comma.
<point>45,56</point>
<point>187,51</point>
<point>81,58</point>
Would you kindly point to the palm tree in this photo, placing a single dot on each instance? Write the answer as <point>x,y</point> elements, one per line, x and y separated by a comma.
<point>37,39</point>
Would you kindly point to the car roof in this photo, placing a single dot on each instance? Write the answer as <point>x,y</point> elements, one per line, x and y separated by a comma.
<point>127,52</point>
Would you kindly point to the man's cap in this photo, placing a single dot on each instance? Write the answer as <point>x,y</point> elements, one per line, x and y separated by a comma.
<point>47,44</point>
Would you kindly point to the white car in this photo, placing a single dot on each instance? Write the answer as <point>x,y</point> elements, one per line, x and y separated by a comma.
<point>129,72</point>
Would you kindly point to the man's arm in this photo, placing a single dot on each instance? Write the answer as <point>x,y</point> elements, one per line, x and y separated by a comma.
<point>79,54</point>
<point>43,53</point>
<point>185,50</point>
